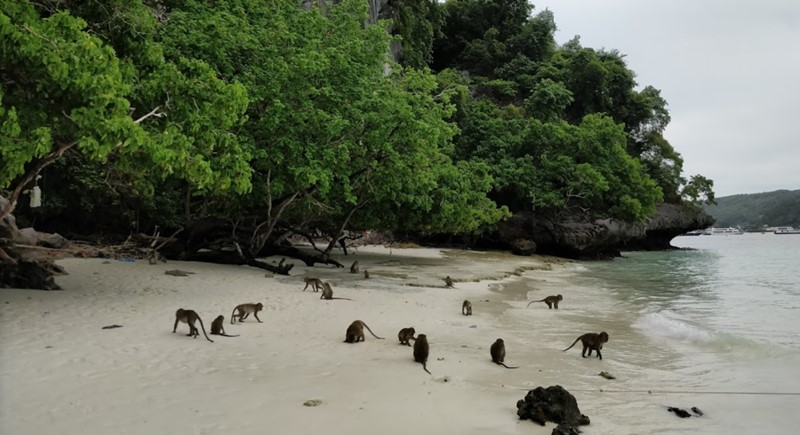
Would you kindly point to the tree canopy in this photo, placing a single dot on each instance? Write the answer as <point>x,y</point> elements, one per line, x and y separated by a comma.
<point>276,119</point>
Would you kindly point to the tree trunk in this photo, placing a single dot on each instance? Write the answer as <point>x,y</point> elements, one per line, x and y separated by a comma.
<point>17,270</point>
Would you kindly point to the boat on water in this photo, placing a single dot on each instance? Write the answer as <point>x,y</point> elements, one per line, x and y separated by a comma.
<point>692,233</point>
<point>786,230</point>
<point>723,232</point>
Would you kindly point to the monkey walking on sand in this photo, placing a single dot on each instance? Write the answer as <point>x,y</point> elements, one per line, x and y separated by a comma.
<point>550,301</point>
<point>421,351</point>
<point>217,327</point>
<point>354,267</point>
<point>189,317</point>
<point>466,308</point>
<point>591,341</point>
<point>355,332</point>
<point>245,310</point>
<point>498,352</point>
<point>405,335</point>
<point>315,283</point>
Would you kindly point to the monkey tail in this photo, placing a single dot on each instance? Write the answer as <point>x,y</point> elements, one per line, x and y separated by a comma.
<point>345,299</point>
<point>503,364</point>
<point>204,329</point>
<point>370,331</point>
<point>573,344</point>
<point>226,335</point>
<point>532,302</point>
<point>425,368</point>
<point>233,318</point>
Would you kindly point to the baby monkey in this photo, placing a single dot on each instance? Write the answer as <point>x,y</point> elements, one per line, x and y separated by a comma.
<point>217,327</point>
<point>591,341</point>
<point>448,282</point>
<point>189,317</point>
<point>466,308</point>
<point>405,335</point>
<point>245,310</point>
<point>498,352</point>
<point>550,301</point>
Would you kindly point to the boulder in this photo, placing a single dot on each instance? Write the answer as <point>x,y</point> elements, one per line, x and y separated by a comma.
<point>554,404</point>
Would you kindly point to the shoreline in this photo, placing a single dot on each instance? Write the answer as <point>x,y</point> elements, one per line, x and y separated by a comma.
<point>61,374</point>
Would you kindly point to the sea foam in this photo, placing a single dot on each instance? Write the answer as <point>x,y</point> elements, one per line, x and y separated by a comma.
<point>663,324</point>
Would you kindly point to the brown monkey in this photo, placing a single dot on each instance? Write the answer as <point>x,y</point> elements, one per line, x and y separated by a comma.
<point>189,317</point>
<point>315,283</point>
<point>218,329</point>
<point>591,341</point>
<point>366,274</point>
<point>354,267</point>
<point>245,310</point>
<point>466,308</point>
<point>498,352</point>
<point>448,281</point>
<point>550,301</point>
<point>355,332</point>
<point>327,292</point>
<point>421,351</point>
<point>405,335</point>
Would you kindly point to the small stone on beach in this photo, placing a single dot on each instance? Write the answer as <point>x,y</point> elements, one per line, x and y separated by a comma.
<point>312,402</point>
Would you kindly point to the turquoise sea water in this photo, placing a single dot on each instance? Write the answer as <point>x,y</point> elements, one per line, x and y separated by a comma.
<point>714,325</point>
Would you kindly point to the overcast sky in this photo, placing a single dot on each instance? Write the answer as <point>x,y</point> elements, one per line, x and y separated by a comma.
<point>730,72</point>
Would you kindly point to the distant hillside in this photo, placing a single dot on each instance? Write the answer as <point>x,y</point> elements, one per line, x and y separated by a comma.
<point>781,207</point>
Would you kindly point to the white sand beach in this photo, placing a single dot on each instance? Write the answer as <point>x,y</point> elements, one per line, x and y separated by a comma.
<point>60,373</point>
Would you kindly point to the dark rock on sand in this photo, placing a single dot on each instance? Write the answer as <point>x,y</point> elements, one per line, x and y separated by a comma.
<point>552,404</point>
<point>682,413</point>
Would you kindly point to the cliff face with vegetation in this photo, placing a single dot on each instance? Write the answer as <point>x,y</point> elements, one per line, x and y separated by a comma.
<point>757,210</point>
<point>238,124</point>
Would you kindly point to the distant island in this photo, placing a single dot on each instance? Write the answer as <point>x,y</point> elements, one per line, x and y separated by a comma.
<point>757,210</point>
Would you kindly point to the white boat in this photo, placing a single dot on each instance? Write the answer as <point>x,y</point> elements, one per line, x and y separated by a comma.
<point>786,230</point>
<point>723,232</point>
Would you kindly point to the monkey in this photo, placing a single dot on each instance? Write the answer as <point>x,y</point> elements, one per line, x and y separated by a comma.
<point>405,335</point>
<point>421,351</point>
<point>315,283</point>
<point>218,329</point>
<point>498,352</point>
<point>466,308</point>
<point>448,282</point>
<point>245,310</point>
<point>354,267</point>
<point>189,317</point>
<point>366,274</point>
<point>355,332</point>
<point>550,301</point>
<point>591,341</point>
<point>327,292</point>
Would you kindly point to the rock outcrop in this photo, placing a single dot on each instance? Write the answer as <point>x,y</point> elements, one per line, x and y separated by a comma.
<point>602,238</point>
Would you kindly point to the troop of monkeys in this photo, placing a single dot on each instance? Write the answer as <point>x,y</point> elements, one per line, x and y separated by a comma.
<point>355,332</point>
